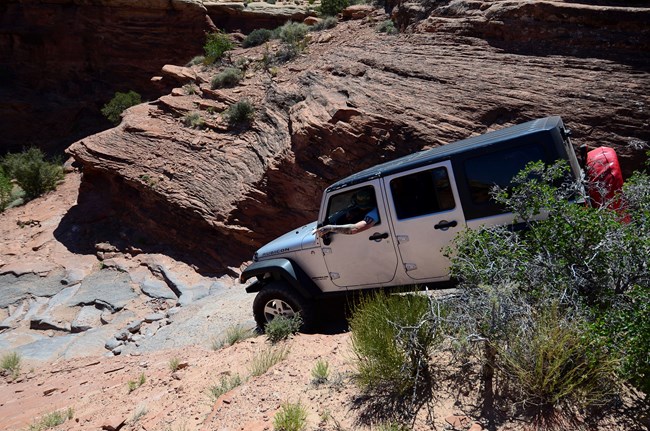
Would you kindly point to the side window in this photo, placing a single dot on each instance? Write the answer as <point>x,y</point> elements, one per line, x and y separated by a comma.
<point>352,206</point>
<point>498,168</point>
<point>422,193</point>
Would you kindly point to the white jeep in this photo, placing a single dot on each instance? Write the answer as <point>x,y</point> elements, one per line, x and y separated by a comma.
<point>422,201</point>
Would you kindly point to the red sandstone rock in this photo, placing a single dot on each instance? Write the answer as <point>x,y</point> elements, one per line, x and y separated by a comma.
<point>357,99</point>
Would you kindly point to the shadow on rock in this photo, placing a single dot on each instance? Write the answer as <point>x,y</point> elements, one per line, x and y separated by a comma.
<point>100,224</point>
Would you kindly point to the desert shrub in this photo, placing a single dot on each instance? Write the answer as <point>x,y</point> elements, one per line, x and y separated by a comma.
<point>387,27</point>
<point>589,263</point>
<point>392,338</point>
<point>325,23</point>
<point>626,328</point>
<point>118,104</point>
<point>550,363</point>
<point>240,112</point>
<point>190,89</point>
<point>282,327</point>
<point>293,32</point>
<point>174,363</point>
<point>229,77</point>
<point>321,372</point>
<point>199,59</point>
<point>226,384</point>
<point>10,363</point>
<point>52,420</point>
<point>332,7</point>
<point>234,334</point>
<point>32,172</point>
<point>266,358</point>
<point>132,385</point>
<point>193,120</point>
<point>215,47</point>
<point>5,191</point>
<point>257,37</point>
<point>290,417</point>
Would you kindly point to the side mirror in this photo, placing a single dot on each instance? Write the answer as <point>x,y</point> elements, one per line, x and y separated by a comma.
<point>327,239</point>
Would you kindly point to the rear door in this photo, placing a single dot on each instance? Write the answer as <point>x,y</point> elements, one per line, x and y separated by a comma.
<point>426,215</point>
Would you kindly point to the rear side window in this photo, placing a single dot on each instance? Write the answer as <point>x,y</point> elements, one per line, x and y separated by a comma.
<point>422,193</point>
<point>497,169</point>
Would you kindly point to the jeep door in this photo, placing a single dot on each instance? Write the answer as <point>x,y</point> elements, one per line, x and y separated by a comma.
<point>426,215</point>
<point>364,259</point>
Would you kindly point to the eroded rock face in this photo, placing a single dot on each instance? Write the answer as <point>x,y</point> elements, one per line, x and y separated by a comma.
<point>61,60</point>
<point>353,99</point>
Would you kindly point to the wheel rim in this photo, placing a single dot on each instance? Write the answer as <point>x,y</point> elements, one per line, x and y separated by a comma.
<point>277,307</point>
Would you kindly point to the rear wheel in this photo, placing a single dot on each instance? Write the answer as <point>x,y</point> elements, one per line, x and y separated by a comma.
<point>279,299</point>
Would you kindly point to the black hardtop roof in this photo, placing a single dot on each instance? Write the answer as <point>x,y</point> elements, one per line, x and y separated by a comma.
<point>445,152</point>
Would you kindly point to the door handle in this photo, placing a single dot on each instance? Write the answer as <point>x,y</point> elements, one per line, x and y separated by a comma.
<point>444,225</point>
<point>378,236</point>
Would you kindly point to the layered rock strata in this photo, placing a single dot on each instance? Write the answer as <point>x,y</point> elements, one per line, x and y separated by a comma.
<point>352,99</point>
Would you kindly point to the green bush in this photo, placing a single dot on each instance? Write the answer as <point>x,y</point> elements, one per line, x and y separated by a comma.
<point>118,104</point>
<point>10,363</point>
<point>52,420</point>
<point>234,334</point>
<point>387,27</point>
<point>321,372</point>
<point>290,417</point>
<point>550,364</point>
<point>226,384</point>
<point>333,7</point>
<point>229,77</point>
<point>5,191</point>
<point>267,358</point>
<point>293,32</point>
<point>240,113</point>
<point>392,338</point>
<point>194,120</point>
<point>325,23</point>
<point>215,47</point>
<point>32,172</point>
<point>591,262</point>
<point>282,327</point>
<point>257,37</point>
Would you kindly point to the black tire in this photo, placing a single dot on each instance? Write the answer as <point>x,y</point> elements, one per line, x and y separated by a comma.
<point>278,298</point>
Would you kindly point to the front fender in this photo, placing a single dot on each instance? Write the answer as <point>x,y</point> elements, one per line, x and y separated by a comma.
<point>280,270</point>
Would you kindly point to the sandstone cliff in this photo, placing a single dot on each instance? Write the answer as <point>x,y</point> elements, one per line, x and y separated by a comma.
<point>352,99</point>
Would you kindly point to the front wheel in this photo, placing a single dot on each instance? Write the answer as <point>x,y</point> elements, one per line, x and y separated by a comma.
<point>279,299</point>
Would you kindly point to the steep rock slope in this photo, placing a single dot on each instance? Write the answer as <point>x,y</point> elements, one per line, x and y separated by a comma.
<point>353,99</point>
<point>60,61</point>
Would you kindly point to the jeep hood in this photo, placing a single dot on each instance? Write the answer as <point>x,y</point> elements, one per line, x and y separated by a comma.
<point>294,240</point>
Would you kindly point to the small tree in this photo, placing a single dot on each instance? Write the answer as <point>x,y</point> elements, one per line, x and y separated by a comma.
<point>118,104</point>
<point>32,172</point>
<point>216,45</point>
<point>332,7</point>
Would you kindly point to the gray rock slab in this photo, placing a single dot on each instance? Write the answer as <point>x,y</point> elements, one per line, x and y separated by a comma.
<point>153,317</point>
<point>106,287</point>
<point>155,288</point>
<point>14,288</point>
<point>89,317</point>
<point>193,293</point>
<point>200,322</point>
<point>46,348</point>
<point>89,343</point>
